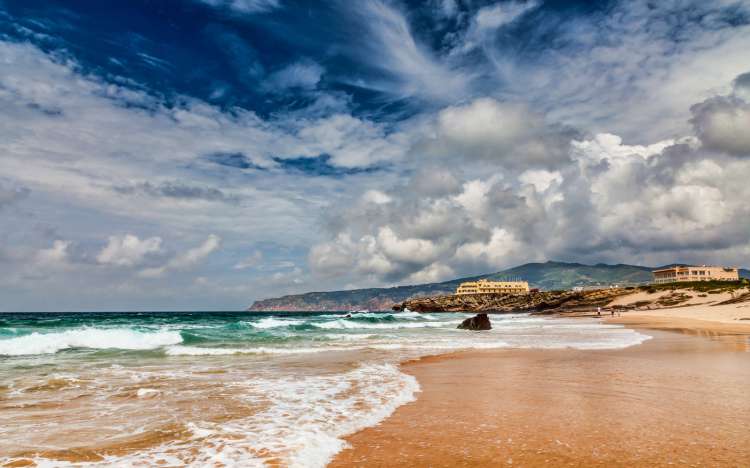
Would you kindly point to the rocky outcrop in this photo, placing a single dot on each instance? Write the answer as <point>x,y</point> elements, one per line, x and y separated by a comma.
<point>546,276</point>
<point>543,302</point>
<point>478,322</point>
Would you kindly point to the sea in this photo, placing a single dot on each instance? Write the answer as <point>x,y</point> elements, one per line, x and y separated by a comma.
<point>229,388</point>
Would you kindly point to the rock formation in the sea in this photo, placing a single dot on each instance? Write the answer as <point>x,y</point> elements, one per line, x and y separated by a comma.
<point>478,322</point>
<point>548,302</point>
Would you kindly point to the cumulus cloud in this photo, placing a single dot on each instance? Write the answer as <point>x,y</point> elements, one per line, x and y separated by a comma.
<point>128,250</point>
<point>723,124</point>
<point>186,259</point>
<point>449,147</point>
<point>741,86</point>
<point>507,133</point>
<point>651,203</point>
<point>55,256</point>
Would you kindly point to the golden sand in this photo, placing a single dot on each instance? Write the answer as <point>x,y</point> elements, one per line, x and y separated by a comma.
<point>674,400</point>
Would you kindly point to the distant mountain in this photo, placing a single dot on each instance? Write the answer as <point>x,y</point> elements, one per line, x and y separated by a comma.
<point>744,273</point>
<point>546,276</point>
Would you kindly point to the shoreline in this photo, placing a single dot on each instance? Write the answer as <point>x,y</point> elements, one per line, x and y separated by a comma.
<point>637,406</point>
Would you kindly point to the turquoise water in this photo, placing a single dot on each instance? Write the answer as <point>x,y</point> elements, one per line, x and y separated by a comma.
<point>228,388</point>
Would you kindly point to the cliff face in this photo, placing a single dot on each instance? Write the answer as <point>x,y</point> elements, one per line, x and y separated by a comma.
<point>552,301</point>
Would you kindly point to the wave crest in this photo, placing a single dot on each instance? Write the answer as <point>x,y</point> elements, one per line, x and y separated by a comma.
<point>94,338</point>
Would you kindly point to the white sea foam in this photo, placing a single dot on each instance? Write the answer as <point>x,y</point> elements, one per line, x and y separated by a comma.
<point>343,324</point>
<point>273,322</point>
<point>199,351</point>
<point>303,427</point>
<point>96,338</point>
<point>309,417</point>
<point>146,392</point>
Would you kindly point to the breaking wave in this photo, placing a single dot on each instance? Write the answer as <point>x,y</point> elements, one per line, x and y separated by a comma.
<point>93,338</point>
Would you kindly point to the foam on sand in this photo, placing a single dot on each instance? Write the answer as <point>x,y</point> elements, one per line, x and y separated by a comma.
<point>199,351</point>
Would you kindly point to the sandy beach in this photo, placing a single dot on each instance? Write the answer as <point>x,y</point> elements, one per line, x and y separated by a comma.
<point>677,399</point>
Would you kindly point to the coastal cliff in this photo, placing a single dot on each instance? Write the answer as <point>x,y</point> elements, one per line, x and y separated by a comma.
<point>546,276</point>
<point>548,302</point>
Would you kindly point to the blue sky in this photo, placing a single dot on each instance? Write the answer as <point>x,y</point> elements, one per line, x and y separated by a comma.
<point>206,153</point>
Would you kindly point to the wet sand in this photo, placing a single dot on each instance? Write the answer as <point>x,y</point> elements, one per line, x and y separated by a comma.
<point>677,399</point>
<point>704,320</point>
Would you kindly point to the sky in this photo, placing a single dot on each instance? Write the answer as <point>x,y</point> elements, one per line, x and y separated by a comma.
<point>201,154</point>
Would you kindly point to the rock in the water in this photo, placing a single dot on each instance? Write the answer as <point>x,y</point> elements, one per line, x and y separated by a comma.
<point>478,322</point>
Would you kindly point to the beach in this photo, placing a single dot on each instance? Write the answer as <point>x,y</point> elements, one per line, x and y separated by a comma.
<point>230,388</point>
<point>373,389</point>
<point>676,399</point>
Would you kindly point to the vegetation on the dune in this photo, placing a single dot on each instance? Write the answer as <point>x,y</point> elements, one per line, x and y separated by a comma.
<point>708,287</point>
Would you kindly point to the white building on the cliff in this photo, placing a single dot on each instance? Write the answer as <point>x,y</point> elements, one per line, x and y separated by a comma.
<point>679,273</point>
<point>485,286</point>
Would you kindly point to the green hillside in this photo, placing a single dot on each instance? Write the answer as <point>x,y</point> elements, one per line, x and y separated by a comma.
<point>560,275</point>
<point>546,276</point>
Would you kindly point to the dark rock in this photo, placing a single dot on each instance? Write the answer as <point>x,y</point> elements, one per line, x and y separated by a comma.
<point>478,322</point>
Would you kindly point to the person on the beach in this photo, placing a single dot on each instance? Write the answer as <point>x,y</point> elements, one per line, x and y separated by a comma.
<point>598,311</point>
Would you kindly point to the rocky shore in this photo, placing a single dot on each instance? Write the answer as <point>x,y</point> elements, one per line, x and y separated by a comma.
<point>540,302</point>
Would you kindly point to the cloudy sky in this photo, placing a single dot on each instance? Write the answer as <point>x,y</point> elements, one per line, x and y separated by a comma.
<point>200,154</point>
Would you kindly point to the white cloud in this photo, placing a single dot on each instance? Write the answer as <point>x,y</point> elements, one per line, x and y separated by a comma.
<point>250,261</point>
<point>496,252</point>
<point>244,6</point>
<point>406,250</point>
<point>632,71</point>
<point>610,147</point>
<point>723,123</point>
<point>651,204</point>
<point>489,19</point>
<point>506,133</point>
<point>186,259</point>
<point>376,197</point>
<point>351,142</point>
<point>54,256</point>
<point>303,74</point>
<point>433,273</point>
<point>128,250</point>
<point>540,179</point>
<point>412,69</point>
<point>482,184</point>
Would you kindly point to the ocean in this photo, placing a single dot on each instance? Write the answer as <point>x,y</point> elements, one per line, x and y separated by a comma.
<point>229,388</point>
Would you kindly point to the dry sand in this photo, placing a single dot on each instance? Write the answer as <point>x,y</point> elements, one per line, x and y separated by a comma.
<point>674,400</point>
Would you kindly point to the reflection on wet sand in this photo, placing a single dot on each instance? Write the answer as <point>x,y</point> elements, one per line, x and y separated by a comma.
<point>676,399</point>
